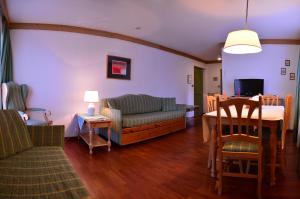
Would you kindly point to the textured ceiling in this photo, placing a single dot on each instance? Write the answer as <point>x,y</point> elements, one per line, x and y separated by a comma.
<point>192,26</point>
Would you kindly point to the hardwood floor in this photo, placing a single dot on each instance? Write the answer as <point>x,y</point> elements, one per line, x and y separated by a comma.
<point>172,166</point>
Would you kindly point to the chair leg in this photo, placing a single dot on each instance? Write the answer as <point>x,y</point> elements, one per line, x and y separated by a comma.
<point>282,158</point>
<point>220,174</point>
<point>259,178</point>
<point>241,166</point>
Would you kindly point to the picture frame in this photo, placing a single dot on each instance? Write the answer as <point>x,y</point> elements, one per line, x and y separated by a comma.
<point>292,76</point>
<point>118,67</point>
<point>287,62</point>
<point>283,71</point>
<point>189,79</point>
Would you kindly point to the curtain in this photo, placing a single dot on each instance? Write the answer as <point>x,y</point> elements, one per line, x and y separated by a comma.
<point>6,67</point>
<point>297,114</point>
<point>297,108</point>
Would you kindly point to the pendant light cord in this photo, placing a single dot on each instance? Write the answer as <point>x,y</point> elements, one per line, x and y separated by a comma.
<point>246,22</point>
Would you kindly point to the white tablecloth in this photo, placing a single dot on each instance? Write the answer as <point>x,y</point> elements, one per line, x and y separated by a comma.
<point>271,113</point>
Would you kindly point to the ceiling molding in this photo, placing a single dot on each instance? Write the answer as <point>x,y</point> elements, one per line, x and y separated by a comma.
<point>274,41</point>
<point>101,33</point>
<point>213,62</point>
<point>4,10</point>
<point>281,41</point>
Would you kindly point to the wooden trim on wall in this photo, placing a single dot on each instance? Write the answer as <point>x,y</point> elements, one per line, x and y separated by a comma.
<point>275,41</point>
<point>213,61</point>
<point>281,41</point>
<point>101,33</point>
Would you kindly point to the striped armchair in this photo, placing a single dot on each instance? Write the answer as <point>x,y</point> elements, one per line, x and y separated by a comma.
<point>14,97</point>
<point>32,161</point>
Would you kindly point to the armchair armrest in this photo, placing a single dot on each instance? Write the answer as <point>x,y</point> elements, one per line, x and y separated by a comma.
<point>47,135</point>
<point>116,117</point>
<point>42,113</point>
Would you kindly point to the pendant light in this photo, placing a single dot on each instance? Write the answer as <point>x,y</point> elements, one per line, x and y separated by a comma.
<point>242,41</point>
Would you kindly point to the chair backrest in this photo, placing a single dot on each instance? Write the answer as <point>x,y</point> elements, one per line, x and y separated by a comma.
<point>287,110</point>
<point>237,114</point>
<point>211,103</point>
<point>14,96</point>
<point>287,115</point>
<point>270,100</point>
<point>221,97</point>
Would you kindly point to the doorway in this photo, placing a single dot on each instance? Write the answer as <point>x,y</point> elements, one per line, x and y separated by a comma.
<point>198,90</point>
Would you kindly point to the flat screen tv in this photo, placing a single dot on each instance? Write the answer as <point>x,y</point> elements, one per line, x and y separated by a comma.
<point>248,87</point>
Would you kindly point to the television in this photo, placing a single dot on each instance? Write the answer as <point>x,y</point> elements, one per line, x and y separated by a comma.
<point>248,87</point>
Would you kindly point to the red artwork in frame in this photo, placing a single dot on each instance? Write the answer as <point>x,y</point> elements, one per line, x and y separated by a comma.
<point>118,67</point>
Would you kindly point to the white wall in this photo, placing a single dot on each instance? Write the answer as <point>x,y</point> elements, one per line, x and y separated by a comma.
<point>213,70</point>
<point>60,66</point>
<point>265,65</point>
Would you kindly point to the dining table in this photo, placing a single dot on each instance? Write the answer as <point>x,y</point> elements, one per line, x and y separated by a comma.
<point>272,118</point>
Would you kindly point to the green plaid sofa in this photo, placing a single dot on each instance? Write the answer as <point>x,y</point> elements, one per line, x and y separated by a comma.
<point>32,161</point>
<point>128,112</point>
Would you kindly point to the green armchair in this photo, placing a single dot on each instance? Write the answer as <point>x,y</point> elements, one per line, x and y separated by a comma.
<point>14,97</point>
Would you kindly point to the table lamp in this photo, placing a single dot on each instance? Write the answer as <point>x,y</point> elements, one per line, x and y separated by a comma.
<point>91,97</point>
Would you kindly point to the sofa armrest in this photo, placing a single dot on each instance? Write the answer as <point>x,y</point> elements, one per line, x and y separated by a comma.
<point>181,107</point>
<point>47,135</point>
<point>116,117</point>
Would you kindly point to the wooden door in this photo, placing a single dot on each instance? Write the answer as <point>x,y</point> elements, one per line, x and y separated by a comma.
<point>198,90</point>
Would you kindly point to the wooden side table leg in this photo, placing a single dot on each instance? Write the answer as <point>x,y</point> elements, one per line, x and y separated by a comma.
<point>108,138</point>
<point>91,149</point>
<point>91,139</point>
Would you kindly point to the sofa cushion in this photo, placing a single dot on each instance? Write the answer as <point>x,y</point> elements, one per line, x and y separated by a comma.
<point>40,172</point>
<point>133,104</point>
<point>168,104</point>
<point>147,118</point>
<point>14,136</point>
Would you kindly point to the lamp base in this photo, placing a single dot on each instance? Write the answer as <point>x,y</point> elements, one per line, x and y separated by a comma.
<point>91,109</point>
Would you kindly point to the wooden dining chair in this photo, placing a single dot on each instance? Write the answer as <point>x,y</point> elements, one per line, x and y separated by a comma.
<point>285,127</point>
<point>222,97</point>
<point>270,100</point>
<point>242,142</point>
<point>211,103</point>
<point>212,100</point>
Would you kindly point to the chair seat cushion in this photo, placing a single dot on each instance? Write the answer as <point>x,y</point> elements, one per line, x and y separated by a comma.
<point>40,172</point>
<point>147,118</point>
<point>239,146</point>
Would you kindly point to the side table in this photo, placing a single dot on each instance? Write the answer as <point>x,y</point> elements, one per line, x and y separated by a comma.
<point>93,122</point>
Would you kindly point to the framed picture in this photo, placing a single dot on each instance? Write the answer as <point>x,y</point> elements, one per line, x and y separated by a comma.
<point>283,71</point>
<point>189,79</point>
<point>287,62</point>
<point>292,76</point>
<point>118,67</point>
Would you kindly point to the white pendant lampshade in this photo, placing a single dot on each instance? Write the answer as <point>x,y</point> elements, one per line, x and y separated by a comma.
<point>242,42</point>
<point>91,97</point>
